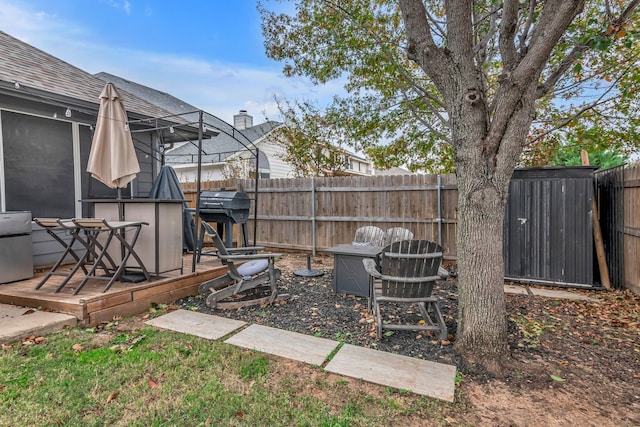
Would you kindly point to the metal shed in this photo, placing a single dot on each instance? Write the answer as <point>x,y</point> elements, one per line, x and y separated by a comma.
<point>548,229</point>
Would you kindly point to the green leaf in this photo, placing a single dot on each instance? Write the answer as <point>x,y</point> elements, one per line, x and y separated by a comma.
<point>556,378</point>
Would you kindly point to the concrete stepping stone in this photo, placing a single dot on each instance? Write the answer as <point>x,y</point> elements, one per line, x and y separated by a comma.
<point>199,324</point>
<point>555,293</point>
<point>402,372</point>
<point>292,345</point>
<point>547,293</point>
<point>518,290</point>
<point>21,322</point>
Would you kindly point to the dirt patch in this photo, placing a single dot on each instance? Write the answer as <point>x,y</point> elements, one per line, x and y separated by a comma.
<point>572,361</point>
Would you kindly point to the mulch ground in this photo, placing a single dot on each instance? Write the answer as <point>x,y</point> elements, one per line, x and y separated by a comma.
<point>588,348</point>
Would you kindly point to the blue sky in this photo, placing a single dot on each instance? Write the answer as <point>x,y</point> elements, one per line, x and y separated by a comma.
<point>209,53</point>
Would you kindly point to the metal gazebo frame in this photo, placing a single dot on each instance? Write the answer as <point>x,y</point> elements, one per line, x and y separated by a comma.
<point>169,131</point>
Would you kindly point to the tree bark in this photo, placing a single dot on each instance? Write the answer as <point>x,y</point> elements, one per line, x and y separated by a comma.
<point>482,323</point>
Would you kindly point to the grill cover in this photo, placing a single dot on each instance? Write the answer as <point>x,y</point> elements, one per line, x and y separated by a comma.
<point>15,223</point>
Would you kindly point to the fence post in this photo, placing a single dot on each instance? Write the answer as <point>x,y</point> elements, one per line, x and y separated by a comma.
<point>439,189</point>
<point>313,216</point>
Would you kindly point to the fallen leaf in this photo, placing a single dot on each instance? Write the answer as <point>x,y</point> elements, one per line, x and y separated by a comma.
<point>112,397</point>
<point>445,342</point>
<point>77,347</point>
<point>153,384</point>
<point>6,347</point>
<point>240,414</point>
<point>38,340</point>
<point>28,312</point>
<point>556,378</point>
<point>621,34</point>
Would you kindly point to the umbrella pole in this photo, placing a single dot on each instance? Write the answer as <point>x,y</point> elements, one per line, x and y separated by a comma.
<point>120,205</point>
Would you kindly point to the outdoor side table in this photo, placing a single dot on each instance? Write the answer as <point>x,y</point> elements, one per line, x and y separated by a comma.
<point>349,275</point>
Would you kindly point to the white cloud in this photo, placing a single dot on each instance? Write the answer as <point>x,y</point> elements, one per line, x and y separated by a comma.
<point>125,5</point>
<point>218,88</point>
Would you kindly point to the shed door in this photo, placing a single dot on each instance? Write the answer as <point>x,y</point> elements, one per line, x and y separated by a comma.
<point>548,235</point>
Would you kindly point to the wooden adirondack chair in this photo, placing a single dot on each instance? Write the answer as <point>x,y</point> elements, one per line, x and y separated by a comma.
<point>257,272</point>
<point>369,234</point>
<point>408,271</point>
<point>396,234</point>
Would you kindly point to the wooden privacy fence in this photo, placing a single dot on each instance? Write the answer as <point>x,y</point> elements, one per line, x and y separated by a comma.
<point>313,214</point>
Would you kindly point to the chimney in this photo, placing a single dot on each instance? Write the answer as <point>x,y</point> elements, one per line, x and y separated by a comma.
<point>242,120</point>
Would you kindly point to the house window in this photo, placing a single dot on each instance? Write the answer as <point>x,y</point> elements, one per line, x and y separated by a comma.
<point>38,165</point>
<point>347,162</point>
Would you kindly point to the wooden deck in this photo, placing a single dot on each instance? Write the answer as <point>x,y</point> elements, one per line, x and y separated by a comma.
<point>92,307</point>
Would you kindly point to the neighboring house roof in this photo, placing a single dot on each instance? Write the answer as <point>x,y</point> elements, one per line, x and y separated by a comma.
<point>217,149</point>
<point>393,171</point>
<point>47,78</point>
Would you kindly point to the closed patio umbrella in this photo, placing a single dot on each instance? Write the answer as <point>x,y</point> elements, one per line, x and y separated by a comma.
<point>112,159</point>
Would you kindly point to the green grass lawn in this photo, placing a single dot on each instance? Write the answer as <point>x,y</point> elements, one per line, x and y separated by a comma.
<point>148,377</point>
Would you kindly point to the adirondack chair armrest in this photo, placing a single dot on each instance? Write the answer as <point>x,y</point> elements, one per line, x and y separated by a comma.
<point>410,279</point>
<point>247,257</point>
<point>370,267</point>
<point>248,250</point>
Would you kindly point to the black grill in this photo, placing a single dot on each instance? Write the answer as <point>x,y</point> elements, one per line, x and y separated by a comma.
<point>225,208</point>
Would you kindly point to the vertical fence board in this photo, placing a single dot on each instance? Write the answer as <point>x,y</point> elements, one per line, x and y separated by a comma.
<point>632,229</point>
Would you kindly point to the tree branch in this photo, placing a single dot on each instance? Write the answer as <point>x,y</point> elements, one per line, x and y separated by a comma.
<point>571,58</point>
<point>508,34</point>
<point>551,25</point>
<point>577,114</point>
<point>493,27</point>
<point>421,47</point>
<point>527,28</point>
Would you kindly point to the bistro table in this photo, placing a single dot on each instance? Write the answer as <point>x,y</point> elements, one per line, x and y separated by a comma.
<point>349,275</point>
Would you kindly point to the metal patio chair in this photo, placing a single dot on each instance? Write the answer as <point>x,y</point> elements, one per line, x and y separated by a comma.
<point>257,272</point>
<point>407,273</point>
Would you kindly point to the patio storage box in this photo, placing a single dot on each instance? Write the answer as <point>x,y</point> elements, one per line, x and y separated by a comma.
<point>548,228</point>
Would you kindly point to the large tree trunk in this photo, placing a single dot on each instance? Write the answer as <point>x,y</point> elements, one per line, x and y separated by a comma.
<point>489,129</point>
<point>482,324</point>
